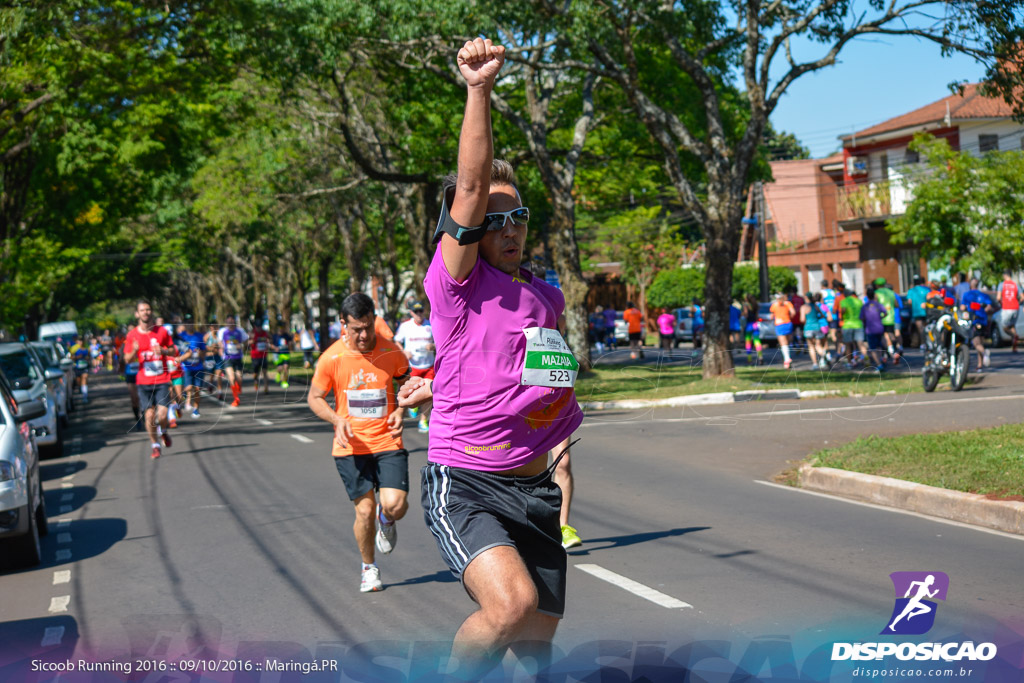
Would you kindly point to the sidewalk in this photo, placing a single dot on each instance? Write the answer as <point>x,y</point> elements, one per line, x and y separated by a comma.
<point>969,508</point>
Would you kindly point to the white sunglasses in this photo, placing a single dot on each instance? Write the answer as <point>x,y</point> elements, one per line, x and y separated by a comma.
<point>496,221</point>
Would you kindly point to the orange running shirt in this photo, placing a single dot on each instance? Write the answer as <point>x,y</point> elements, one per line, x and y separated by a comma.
<point>364,391</point>
<point>634,318</point>
<point>380,326</point>
<point>783,312</point>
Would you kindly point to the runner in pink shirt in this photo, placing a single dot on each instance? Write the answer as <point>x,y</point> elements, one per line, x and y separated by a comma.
<point>667,328</point>
<point>503,397</point>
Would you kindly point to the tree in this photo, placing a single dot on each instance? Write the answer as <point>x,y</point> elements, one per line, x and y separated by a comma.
<point>781,146</point>
<point>967,211</point>
<point>694,47</point>
<point>679,287</point>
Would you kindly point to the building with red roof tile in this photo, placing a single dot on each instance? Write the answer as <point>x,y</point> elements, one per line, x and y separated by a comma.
<point>825,218</point>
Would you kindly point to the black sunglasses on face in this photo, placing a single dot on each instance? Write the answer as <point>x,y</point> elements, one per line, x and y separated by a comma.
<point>496,221</point>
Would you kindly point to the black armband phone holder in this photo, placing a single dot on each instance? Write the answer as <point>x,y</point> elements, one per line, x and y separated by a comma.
<point>446,224</point>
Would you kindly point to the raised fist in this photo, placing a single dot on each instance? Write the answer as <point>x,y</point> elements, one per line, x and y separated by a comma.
<point>480,61</point>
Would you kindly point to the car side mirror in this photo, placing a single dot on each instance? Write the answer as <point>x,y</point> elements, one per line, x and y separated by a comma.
<point>54,373</point>
<point>23,383</point>
<point>30,410</point>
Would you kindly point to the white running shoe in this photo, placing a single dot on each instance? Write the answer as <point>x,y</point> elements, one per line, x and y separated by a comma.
<point>986,360</point>
<point>387,534</point>
<point>371,580</point>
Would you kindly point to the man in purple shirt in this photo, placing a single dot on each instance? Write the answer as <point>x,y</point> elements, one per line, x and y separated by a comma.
<point>232,340</point>
<point>874,330</point>
<point>503,398</point>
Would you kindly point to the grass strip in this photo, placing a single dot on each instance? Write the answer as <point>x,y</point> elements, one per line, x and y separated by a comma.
<point>986,461</point>
<point>630,381</point>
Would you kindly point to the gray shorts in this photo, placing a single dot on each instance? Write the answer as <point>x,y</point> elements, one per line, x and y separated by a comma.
<point>853,336</point>
<point>1008,317</point>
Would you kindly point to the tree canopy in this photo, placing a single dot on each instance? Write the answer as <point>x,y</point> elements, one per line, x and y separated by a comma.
<point>966,211</point>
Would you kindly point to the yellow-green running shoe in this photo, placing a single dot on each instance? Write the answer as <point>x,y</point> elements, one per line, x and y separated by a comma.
<point>570,539</point>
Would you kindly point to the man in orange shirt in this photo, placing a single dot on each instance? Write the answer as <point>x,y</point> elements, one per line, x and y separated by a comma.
<point>634,318</point>
<point>362,369</point>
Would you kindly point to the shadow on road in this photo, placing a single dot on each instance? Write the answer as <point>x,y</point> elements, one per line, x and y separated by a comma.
<point>52,471</point>
<point>632,539</point>
<point>437,577</point>
<point>47,639</point>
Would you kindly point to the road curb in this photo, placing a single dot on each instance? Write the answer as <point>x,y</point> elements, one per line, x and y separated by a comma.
<point>718,398</point>
<point>970,508</point>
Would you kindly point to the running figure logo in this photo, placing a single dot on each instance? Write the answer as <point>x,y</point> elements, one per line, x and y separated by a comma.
<point>914,613</point>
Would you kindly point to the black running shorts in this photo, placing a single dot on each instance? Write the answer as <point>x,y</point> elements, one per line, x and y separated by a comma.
<point>365,473</point>
<point>153,395</point>
<point>470,512</point>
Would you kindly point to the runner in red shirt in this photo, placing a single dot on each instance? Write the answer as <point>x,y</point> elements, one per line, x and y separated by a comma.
<point>259,344</point>
<point>1009,303</point>
<point>148,344</point>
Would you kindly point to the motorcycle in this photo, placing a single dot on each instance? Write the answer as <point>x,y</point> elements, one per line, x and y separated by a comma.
<point>947,344</point>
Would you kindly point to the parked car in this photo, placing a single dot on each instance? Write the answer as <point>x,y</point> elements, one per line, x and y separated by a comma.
<point>684,325</point>
<point>53,355</point>
<point>766,323</point>
<point>22,505</point>
<point>622,331</point>
<point>997,335</point>
<point>28,379</point>
<point>56,381</point>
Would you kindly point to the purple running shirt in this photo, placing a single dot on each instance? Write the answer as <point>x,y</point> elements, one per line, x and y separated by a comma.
<point>484,418</point>
<point>233,343</point>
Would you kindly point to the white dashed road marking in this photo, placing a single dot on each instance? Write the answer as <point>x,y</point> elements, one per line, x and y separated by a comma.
<point>62,577</point>
<point>303,439</point>
<point>52,636</point>
<point>63,555</point>
<point>63,539</point>
<point>638,589</point>
<point>59,604</point>
<point>264,422</point>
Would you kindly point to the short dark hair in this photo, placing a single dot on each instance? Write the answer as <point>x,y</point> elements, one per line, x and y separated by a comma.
<point>356,306</point>
<point>502,173</point>
<point>629,304</point>
<point>140,302</point>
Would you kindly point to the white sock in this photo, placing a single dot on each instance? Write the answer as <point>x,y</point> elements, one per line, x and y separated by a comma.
<point>85,390</point>
<point>891,350</point>
<point>367,566</point>
<point>785,353</point>
<point>156,445</point>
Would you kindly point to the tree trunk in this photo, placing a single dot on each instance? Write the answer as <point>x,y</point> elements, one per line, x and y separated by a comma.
<point>323,277</point>
<point>570,276</point>
<point>719,258</point>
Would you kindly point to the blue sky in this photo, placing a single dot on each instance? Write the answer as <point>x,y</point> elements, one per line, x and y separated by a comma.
<point>876,79</point>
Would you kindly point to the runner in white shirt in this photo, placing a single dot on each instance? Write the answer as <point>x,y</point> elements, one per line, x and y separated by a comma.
<point>417,340</point>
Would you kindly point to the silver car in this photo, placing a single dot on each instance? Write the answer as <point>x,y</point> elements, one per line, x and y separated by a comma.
<point>53,355</point>
<point>22,506</point>
<point>30,380</point>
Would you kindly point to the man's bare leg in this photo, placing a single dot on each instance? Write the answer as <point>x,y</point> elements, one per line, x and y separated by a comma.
<point>500,583</point>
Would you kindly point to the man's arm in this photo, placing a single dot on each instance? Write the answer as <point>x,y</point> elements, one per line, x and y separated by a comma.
<point>479,62</point>
<point>317,402</point>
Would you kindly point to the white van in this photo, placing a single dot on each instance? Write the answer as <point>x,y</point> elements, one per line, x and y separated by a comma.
<point>63,331</point>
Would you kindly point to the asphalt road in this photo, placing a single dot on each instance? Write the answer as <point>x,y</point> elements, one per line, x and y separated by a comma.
<point>236,545</point>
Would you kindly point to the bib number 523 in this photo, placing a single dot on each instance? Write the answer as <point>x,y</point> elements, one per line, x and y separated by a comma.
<point>559,376</point>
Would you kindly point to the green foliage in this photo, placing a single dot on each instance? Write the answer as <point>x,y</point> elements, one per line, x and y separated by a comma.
<point>966,211</point>
<point>746,280</point>
<point>678,287</point>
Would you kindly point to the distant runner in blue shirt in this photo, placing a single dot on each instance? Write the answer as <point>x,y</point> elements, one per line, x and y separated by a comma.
<point>982,305</point>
